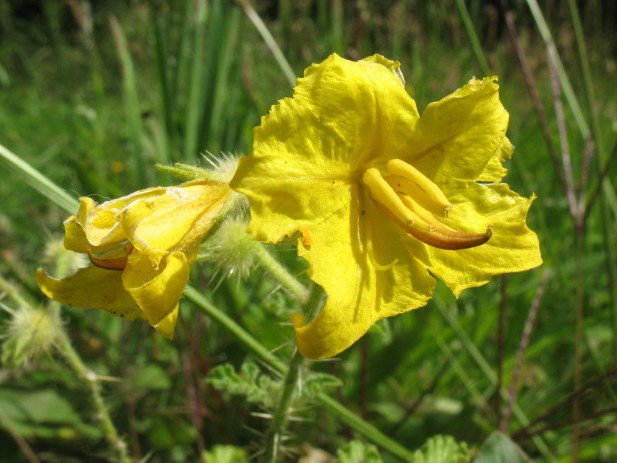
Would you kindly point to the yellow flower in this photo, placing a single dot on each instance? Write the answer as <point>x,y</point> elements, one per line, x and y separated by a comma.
<point>141,248</point>
<point>382,197</point>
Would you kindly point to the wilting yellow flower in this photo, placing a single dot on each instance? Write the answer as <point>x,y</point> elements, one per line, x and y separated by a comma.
<point>141,248</point>
<point>382,196</point>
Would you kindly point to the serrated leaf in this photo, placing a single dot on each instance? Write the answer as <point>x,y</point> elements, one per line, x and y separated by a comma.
<point>499,448</point>
<point>442,449</point>
<point>257,388</point>
<point>358,452</point>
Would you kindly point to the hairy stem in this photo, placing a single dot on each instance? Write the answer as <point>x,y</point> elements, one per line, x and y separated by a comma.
<point>279,420</point>
<point>281,274</point>
<point>89,379</point>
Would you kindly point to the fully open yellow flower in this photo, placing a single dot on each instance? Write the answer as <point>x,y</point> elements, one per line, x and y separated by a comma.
<point>141,248</point>
<point>382,196</point>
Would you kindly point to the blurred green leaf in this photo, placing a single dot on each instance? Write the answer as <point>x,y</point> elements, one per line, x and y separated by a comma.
<point>151,378</point>
<point>170,431</point>
<point>225,454</point>
<point>442,449</point>
<point>358,452</point>
<point>499,448</point>
<point>43,414</point>
<point>317,383</point>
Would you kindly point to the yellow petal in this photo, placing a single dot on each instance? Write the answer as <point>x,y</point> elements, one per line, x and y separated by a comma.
<point>359,294</point>
<point>74,236</point>
<point>457,136</point>
<point>174,220</point>
<point>102,223</point>
<point>167,326</point>
<point>513,247</point>
<point>91,288</point>
<point>156,291</point>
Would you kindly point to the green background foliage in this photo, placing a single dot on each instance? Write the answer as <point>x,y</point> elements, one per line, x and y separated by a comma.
<point>94,94</point>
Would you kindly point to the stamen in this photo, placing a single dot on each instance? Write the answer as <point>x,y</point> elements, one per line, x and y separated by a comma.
<point>437,234</point>
<point>416,220</point>
<point>104,260</point>
<point>407,179</point>
<point>385,196</point>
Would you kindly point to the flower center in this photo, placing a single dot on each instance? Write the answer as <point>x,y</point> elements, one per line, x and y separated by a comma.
<point>112,259</point>
<point>413,201</point>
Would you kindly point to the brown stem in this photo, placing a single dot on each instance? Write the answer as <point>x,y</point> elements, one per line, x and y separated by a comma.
<point>532,89</point>
<point>522,348</point>
<point>563,424</point>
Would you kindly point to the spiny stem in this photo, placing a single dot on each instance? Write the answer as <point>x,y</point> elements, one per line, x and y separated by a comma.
<point>334,408</point>
<point>279,420</point>
<point>281,274</point>
<point>89,379</point>
<point>290,386</point>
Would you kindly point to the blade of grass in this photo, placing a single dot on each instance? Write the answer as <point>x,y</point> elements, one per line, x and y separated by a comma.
<point>568,91</point>
<point>196,85</point>
<point>473,38</point>
<point>131,102</point>
<point>220,52</point>
<point>38,181</point>
<point>270,42</point>
<point>162,67</point>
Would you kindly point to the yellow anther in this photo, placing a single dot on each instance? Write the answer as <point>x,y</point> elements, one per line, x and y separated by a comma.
<point>384,195</point>
<point>415,219</point>
<point>405,178</point>
<point>431,231</point>
<point>112,259</point>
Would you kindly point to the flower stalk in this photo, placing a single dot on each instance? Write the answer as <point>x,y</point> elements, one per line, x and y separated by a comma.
<point>281,274</point>
<point>279,419</point>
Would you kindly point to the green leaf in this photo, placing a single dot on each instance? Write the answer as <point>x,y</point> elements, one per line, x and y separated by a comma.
<point>499,448</point>
<point>168,432</point>
<point>442,449</point>
<point>358,452</point>
<point>225,454</point>
<point>151,378</point>
<point>317,383</point>
<point>43,414</point>
<point>248,382</point>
